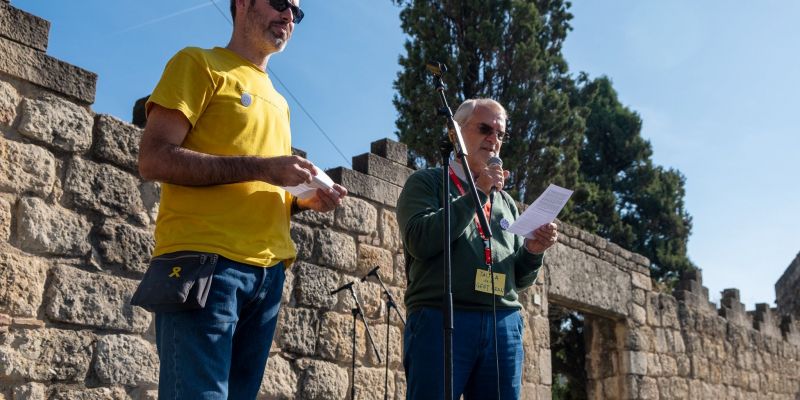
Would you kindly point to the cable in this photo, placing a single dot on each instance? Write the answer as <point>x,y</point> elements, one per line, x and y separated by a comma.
<point>286,88</point>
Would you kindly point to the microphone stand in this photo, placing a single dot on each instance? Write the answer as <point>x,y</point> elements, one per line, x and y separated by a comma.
<point>390,304</point>
<point>357,311</point>
<point>453,141</point>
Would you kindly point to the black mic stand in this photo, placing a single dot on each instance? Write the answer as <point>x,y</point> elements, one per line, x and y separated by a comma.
<point>390,304</point>
<point>453,141</point>
<point>357,311</point>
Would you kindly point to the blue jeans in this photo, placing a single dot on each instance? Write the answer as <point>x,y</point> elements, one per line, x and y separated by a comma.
<point>220,351</point>
<point>474,367</point>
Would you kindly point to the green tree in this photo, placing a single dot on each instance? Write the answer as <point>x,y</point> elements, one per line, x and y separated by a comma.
<point>508,50</point>
<point>626,198</point>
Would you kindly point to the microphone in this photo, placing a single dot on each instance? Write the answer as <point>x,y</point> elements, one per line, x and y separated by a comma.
<point>374,271</point>
<point>494,161</point>
<point>343,287</point>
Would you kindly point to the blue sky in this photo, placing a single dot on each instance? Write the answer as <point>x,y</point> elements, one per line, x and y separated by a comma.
<point>715,83</point>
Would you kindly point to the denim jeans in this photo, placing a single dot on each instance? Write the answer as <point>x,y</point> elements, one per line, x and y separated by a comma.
<point>220,351</point>
<point>474,367</point>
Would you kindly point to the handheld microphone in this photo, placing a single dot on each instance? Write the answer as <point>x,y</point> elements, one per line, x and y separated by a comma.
<point>374,271</point>
<point>343,287</point>
<point>494,161</point>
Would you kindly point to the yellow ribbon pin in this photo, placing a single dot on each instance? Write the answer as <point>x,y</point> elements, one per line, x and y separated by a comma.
<point>176,272</point>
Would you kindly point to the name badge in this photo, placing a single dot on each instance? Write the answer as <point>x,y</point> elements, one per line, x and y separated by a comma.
<point>247,99</point>
<point>483,282</point>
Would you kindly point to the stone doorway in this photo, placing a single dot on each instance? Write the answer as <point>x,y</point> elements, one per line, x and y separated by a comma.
<point>586,354</point>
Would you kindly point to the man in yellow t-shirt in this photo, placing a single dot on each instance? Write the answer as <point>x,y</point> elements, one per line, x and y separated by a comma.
<point>218,139</point>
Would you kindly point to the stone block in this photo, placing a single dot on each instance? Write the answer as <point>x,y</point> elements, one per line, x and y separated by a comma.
<point>125,245</point>
<point>382,168</point>
<point>638,314</point>
<point>57,123</point>
<point>357,216</point>
<point>400,277</point>
<point>400,385</point>
<point>391,150</point>
<point>104,189</point>
<point>390,231</point>
<point>335,337</point>
<point>313,285</point>
<point>40,69</point>
<point>151,197</point>
<point>95,300</point>
<point>288,286</point>
<point>370,383</point>
<point>303,238</point>
<point>573,276</point>
<point>23,28</point>
<point>102,393</point>
<point>280,380</point>
<point>117,142</point>
<point>366,186</point>
<point>635,362</point>
<point>126,360</point>
<point>314,218</point>
<point>22,280</point>
<point>323,380</point>
<point>639,339</point>
<point>27,168</point>
<point>45,355</point>
<point>298,330</point>
<point>641,281</point>
<point>9,99</point>
<point>50,229</point>
<point>335,249</point>
<point>648,389</point>
<point>370,256</point>
<point>669,366</point>
<point>32,390</point>
<point>5,219</point>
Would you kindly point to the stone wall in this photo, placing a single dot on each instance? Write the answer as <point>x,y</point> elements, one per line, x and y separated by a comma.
<point>75,237</point>
<point>787,289</point>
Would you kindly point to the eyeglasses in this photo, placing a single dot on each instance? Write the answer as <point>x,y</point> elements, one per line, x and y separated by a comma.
<point>282,5</point>
<point>487,130</point>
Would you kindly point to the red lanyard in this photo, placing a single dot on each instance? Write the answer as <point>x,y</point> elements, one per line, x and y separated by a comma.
<point>487,210</point>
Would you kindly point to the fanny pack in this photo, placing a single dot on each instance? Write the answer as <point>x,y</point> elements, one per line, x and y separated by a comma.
<point>176,281</point>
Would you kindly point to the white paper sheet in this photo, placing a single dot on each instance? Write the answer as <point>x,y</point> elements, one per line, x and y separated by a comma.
<point>543,211</point>
<point>306,190</point>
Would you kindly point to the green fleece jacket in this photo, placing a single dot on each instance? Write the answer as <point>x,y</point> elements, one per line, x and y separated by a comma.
<point>419,214</point>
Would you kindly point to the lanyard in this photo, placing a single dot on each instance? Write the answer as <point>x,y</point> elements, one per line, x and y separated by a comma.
<point>487,210</point>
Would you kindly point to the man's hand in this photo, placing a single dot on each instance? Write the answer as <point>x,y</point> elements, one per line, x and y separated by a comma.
<point>491,176</point>
<point>324,200</point>
<point>287,170</point>
<point>543,237</point>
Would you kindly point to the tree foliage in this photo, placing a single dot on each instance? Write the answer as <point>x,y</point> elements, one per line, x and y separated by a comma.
<point>508,50</point>
<point>571,131</point>
<point>626,198</point>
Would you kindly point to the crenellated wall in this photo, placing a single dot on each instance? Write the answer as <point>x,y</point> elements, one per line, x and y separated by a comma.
<point>75,237</point>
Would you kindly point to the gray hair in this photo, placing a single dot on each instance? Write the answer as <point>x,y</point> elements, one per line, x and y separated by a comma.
<point>465,110</point>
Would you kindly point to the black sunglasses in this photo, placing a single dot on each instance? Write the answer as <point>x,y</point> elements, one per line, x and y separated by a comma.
<point>282,5</point>
<point>487,130</point>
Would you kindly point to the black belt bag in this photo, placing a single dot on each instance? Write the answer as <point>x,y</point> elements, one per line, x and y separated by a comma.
<point>177,281</point>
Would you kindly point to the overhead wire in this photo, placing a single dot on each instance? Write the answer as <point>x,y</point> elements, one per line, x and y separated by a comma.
<point>296,100</point>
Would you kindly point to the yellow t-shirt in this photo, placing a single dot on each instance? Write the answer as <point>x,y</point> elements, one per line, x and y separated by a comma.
<point>234,110</point>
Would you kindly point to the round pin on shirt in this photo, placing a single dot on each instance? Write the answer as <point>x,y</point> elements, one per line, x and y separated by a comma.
<point>504,224</point>
<point>246,99</point>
